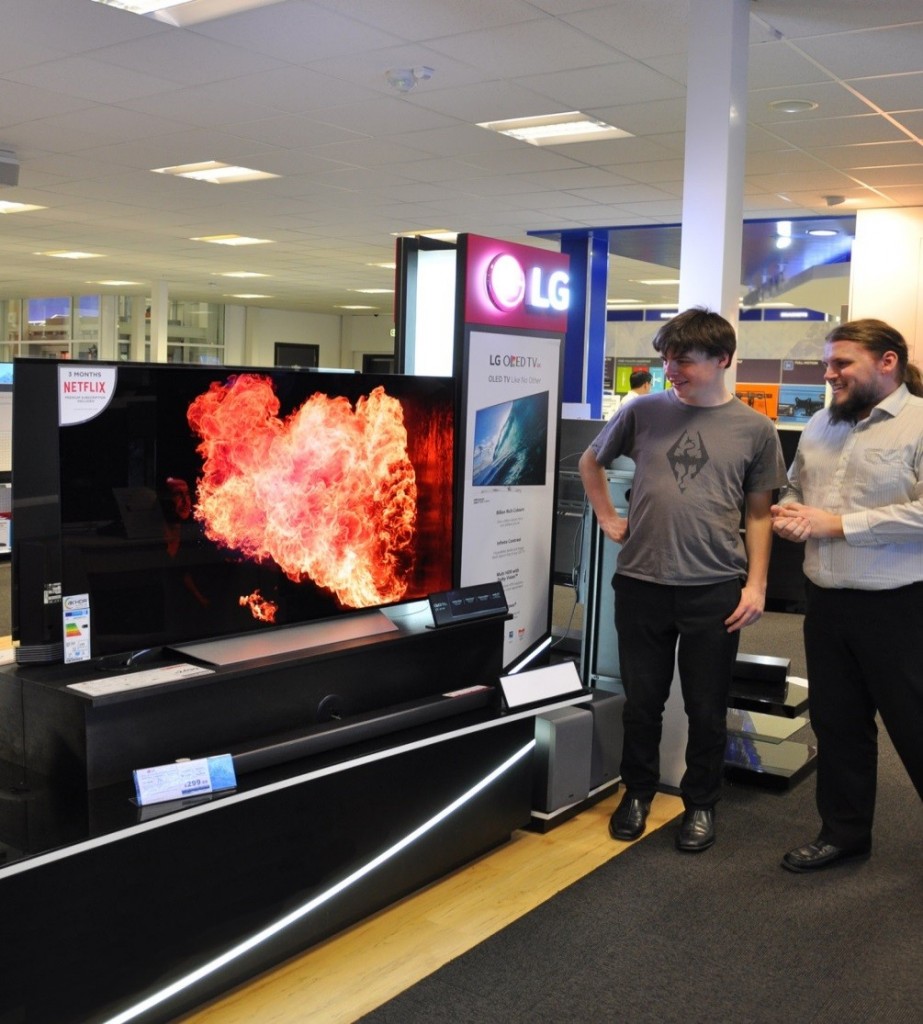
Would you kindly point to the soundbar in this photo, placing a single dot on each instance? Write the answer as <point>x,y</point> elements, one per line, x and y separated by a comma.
<point>319,738</point>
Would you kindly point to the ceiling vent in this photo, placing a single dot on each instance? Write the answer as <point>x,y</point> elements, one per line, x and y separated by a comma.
<point>9,168</point>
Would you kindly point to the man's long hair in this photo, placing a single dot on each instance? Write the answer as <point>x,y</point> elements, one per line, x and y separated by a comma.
<point>879,337</point>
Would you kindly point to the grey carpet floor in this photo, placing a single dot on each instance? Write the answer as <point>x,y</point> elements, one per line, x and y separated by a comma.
<point>658,937</point>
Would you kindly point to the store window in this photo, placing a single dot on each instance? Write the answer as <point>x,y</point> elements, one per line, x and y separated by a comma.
<point>59,327</point>
<point>195,330</point>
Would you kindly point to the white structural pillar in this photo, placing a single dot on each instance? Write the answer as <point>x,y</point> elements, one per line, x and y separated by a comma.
<point>716,126</point>
<point>136,351</point>
<point>159,316</point>
<point>712,235</point>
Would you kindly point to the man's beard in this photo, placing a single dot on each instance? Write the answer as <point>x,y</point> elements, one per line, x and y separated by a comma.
<point>862,399</point>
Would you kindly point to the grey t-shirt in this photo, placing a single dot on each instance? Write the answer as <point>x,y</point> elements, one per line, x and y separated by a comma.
<point>694,465</point>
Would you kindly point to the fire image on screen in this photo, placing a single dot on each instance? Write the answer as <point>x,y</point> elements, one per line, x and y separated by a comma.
<point>203,503</point>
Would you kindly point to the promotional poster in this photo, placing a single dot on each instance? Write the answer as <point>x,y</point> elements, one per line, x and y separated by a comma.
<point>511,438</point>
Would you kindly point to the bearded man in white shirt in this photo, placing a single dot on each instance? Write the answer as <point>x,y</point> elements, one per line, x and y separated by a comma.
<point>855,499</point>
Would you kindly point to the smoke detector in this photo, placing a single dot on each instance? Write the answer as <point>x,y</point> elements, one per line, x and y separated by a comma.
<point>405,79</point>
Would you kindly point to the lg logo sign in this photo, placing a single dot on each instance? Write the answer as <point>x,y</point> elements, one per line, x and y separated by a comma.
<point>509,286</point>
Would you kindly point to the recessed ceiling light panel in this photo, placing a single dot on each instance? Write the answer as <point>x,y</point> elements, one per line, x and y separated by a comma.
<point>9,207</point>
<point>556,129</point>
<point>65,254</point>
<point>186,12</point>
<point>231,240</point>
<point>215,172</point>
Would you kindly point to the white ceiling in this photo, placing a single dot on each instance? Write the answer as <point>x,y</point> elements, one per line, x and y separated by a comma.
<point>92,98</point>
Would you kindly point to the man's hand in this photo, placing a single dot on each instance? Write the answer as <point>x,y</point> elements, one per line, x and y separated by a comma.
<point>614,527</point>
<point>748,611</point>
<point>797,522</point>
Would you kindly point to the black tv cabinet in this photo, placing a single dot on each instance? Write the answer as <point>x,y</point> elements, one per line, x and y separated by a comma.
<point>115,905</point>
<point>120,912</point>
<point>95,741</point>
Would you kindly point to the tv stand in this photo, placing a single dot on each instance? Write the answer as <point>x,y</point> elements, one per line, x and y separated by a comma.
<point>80,739</point>
<point>332,819</point>
<point>119,904</point>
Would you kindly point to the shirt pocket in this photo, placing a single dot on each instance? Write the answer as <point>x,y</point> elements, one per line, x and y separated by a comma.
<point>885,476</point>
<point>884,457</point>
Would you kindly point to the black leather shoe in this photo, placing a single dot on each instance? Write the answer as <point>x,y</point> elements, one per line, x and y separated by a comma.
<point>697,831</point>
<point>630,819</point>
<point>821,854</point>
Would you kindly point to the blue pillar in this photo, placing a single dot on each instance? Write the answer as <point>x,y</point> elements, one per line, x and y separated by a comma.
<point>585,341</point>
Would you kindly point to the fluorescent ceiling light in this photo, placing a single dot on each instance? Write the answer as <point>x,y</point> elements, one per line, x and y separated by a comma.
<point>214,172</point>
<point>186,12</point>
<point>115,284</point>
<point>8,207</point>
<point>373,291</point>
<point>556,129</point>
<point>64,254</point>
<point>142,6</point>
<point>356,307</point>
<point>655,280</point>
<point>823,232</point>
<point>248,295</point>
<point>241,273</point>
<point>231,240</point>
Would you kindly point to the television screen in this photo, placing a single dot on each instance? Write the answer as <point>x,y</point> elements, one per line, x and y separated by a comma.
<point>199,502</point>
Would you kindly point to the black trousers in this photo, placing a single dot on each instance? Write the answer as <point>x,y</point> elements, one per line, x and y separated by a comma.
<point>651,618</point>
<point>864,657</point>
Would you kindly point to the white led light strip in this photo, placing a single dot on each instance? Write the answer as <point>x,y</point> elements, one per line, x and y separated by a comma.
<point>235,952</point>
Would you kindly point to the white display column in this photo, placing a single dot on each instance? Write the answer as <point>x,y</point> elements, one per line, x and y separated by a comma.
<point>713,177</point>
<point>886,278</point>
<point>712,229</point>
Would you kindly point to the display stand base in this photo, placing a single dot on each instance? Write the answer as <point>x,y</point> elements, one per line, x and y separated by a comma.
<point>790,704</point>
<point>774,765</point>
<point>760,748</point>
<point>544,821</point>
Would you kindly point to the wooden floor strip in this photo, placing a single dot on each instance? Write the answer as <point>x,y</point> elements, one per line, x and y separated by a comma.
<point>351,974</point>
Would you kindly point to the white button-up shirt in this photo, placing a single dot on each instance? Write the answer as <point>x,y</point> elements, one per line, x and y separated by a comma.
<point>871,474</point>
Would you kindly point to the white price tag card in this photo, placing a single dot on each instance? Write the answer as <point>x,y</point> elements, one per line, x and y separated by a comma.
<point>184,779</point>
<point>138,680</point>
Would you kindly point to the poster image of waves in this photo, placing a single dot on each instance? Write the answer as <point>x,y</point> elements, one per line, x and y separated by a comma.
<point>511,443</point>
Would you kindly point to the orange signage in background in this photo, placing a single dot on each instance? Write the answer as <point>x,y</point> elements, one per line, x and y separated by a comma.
<point>762,397</point>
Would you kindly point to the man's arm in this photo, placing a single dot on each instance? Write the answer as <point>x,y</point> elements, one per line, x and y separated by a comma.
<point>596,486</point>
<point>758,543</point>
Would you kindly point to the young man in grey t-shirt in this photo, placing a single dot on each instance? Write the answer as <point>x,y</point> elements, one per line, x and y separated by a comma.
<point>705,463</point>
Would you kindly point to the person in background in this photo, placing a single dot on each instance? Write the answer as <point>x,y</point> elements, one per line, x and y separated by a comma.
<point>855,500</point>
<point>704,461</point>
<point>640,383</point>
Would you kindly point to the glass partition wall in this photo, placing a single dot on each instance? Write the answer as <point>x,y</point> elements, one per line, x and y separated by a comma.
<point>75,327</point>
